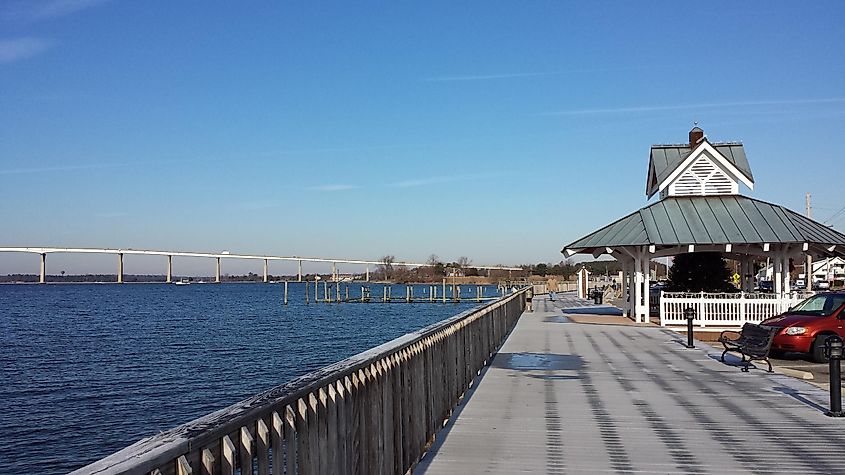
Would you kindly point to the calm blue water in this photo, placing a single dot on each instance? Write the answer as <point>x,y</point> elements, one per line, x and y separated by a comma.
<point>89,369</point>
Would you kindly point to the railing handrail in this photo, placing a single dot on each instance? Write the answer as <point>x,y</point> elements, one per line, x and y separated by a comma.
<point>733,295</point>
<point>150,453</point>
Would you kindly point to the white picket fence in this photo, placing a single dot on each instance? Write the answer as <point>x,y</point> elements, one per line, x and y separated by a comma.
<point>724,309</point>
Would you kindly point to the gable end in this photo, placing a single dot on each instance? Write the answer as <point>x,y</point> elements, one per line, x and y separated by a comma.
<point>703,177</point>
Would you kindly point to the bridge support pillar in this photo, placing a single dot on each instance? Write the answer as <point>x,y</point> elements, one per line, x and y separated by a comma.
<point>266,276</point>
<point>299,272</point>
<point>368,273</point>
<point>120,268</point>
<point>169,269</point>
<point>217,272</point>
<point>334,271</point>
<point>42,277</point>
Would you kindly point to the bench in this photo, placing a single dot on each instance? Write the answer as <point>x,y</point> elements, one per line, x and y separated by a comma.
<point>753,343</point>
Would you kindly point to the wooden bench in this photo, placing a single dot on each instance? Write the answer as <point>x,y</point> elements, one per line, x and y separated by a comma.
<point>753,343</point>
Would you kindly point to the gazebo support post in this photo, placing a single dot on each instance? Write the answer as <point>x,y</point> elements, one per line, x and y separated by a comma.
<point>627,307</point>
<point>638,287</point>
<point>646,259</point>
<point>786,279</point>
<point>749,274</point>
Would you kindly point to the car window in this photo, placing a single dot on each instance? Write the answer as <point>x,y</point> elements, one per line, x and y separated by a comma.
<point>811,305</point>
<point>821,305</point>
<point>838,301</point>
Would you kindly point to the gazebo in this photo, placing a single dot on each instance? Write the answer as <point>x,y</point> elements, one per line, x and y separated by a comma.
<point>700,209</point>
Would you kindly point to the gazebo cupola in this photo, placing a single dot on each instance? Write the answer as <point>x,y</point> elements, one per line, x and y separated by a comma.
<point>697,168</point>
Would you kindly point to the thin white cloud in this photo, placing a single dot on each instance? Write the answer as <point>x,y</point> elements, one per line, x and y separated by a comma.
<point>112,214</point>
<point>427,181</point>
<point>437,180</point>
<point>716,105</point>
<point>484,77</point>
<point>259,205</point>
<point>34,10</point>
<point>22,171</point>
<point>332,187</point>
<point>534,74</point>
<point>22,48</point>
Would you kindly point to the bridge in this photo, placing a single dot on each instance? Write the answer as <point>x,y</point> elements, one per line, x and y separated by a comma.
<point>43,251</point>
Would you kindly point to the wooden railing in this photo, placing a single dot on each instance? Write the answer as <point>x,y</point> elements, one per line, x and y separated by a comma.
<point>376,412</point>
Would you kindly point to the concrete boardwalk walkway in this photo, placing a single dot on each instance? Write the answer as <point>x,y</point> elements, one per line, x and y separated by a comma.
<point>562,397</point>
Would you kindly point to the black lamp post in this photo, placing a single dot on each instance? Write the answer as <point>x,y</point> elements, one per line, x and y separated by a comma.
<point>833,348</point>
<point>689,313</point>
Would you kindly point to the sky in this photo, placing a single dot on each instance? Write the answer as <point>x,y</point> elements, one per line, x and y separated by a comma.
<point>500,131</point>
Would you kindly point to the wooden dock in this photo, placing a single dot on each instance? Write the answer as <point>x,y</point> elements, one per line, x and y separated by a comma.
<point>339,292</point>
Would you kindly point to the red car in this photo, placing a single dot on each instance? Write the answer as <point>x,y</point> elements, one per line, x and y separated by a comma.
<point>803,328</point>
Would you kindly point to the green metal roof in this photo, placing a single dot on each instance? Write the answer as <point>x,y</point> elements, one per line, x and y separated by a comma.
<point>664,159</point>
<point>718,219</point>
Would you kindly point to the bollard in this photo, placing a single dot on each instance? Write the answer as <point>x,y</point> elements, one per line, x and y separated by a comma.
<point>833,350</point>
<point>689,313</point>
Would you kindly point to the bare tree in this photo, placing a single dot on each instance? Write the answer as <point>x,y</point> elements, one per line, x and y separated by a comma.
<point>386,266</point>
<point>432,260</point>
<point>464,262</point>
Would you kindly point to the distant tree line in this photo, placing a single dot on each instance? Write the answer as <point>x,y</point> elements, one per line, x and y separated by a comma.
<point>387,270</point>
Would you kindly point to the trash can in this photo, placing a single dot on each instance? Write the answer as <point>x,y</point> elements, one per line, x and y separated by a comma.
<point>597,297</point>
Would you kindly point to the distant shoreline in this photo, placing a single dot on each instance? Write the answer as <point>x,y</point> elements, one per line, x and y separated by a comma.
<point>134,279</point>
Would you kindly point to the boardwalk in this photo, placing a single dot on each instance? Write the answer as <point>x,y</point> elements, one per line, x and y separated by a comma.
<point>562,397</point>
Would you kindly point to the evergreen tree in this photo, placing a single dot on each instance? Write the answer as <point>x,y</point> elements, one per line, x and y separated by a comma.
<point>700,272</point>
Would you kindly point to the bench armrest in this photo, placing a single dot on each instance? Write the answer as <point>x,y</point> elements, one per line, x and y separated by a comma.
<point>725,332</point>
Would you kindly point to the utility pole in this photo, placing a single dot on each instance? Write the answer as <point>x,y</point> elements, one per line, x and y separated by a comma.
<point>808,264</point>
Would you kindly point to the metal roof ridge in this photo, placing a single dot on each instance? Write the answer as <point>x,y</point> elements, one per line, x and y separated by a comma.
<point>686,145</point>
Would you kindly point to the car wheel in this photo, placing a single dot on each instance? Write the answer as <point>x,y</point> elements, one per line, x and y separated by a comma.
<point>817,350</point>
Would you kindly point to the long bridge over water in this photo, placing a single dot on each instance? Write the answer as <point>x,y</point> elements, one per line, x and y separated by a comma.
<point>119,252</point>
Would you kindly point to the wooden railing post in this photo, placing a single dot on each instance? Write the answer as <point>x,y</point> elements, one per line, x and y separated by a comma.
<point>262,447</point>
<point>245,451</point>
<point>227,456</point>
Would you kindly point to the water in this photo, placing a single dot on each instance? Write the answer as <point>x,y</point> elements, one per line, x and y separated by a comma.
<point>89,369</point>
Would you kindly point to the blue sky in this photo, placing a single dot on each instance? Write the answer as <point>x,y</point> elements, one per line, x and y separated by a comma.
<point>495,130</point>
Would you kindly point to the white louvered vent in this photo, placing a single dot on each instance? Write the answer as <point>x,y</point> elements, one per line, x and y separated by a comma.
<point>703,177</point>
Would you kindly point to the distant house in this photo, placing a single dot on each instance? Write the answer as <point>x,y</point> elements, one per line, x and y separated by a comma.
<point>831,269</point>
